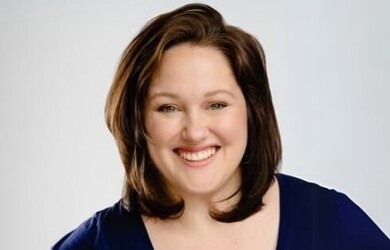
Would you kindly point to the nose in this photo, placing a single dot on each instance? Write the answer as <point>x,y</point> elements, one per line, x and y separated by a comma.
<point>195,129</point>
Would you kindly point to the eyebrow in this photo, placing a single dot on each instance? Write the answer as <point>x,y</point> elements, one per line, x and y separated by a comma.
<point>164,94</point>
<point>208,94</point>
<point>219,91</point>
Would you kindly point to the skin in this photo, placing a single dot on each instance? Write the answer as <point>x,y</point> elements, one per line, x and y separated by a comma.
<point>195,107</point>
<point>196,119</point>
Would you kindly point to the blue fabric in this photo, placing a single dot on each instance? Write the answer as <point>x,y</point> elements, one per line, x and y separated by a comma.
<point>311,217</point>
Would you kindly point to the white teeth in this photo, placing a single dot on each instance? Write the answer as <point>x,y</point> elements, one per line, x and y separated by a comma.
<point>197,156</point>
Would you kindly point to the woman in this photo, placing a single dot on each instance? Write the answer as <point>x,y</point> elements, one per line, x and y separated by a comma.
<point>192,114</point>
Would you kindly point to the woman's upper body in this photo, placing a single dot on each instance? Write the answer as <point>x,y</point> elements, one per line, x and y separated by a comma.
<point>191,111</point>
<point>310,217</point>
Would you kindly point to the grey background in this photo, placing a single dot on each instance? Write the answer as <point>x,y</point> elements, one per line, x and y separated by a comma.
<point>328,68</point>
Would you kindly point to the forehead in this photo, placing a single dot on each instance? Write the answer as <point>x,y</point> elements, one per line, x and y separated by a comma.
<point>188,64</point>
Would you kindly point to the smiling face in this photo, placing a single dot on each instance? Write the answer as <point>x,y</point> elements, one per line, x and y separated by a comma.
<point>196,120</point>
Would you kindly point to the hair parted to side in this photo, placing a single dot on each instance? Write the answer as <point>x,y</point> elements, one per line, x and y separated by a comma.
<point>197,24</point>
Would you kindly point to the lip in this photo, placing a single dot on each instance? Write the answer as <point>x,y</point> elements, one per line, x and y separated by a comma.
<point>191,149</point>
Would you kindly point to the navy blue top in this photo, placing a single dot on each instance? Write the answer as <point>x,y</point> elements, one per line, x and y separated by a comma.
<point>311,217</point>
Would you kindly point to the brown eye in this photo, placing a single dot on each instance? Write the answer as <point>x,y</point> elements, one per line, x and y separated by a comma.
<point>167,109</point>
<point>217,106</point>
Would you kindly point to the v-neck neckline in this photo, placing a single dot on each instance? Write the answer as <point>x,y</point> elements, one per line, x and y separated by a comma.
<point>282,228</point>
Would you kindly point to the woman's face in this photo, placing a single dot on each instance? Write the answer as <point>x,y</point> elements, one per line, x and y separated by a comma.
<point>196,120</point>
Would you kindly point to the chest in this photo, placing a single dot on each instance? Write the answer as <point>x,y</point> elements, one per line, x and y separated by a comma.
<point>253,234</point>
<point>248,241</point>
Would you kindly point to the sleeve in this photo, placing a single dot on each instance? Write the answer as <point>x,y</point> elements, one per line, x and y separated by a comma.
<point>359,231</point>
<point>82,237</point>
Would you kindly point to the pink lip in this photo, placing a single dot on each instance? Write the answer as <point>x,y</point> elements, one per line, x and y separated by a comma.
<point>196,164</point>
<point>195,149</point>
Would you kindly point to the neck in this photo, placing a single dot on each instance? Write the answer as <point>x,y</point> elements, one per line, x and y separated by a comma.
<point>196,214</point>
<point>197,229</point>
<point>197,209</point>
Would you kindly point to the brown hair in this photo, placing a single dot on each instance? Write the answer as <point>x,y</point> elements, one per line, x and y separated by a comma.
<point>198,24</point>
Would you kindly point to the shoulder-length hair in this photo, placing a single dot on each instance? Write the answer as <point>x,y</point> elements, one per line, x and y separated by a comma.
<point>144,189</point>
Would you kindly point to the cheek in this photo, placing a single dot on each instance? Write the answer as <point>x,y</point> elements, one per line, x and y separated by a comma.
<point>159,130</point>
<point>234,127</point>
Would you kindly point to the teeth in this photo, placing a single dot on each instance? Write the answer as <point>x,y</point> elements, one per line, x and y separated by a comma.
<point>197,156</point>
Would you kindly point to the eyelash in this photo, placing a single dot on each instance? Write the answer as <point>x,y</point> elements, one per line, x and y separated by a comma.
<point>218,105</point>
<point>167,109</point>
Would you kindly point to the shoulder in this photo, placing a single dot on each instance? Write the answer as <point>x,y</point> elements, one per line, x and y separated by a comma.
<point>304,197</point>
<point>110,228</point>
<point>312,214</point>
<point>305,206</point>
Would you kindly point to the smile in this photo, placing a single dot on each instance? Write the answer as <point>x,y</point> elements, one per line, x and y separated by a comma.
<point>197,156</point>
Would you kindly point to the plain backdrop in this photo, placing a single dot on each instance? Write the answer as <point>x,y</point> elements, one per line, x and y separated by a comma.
<point>328,65</point>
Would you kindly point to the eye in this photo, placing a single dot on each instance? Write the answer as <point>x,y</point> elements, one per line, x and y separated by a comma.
<point>217,106</point>
<point>167,109</point>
